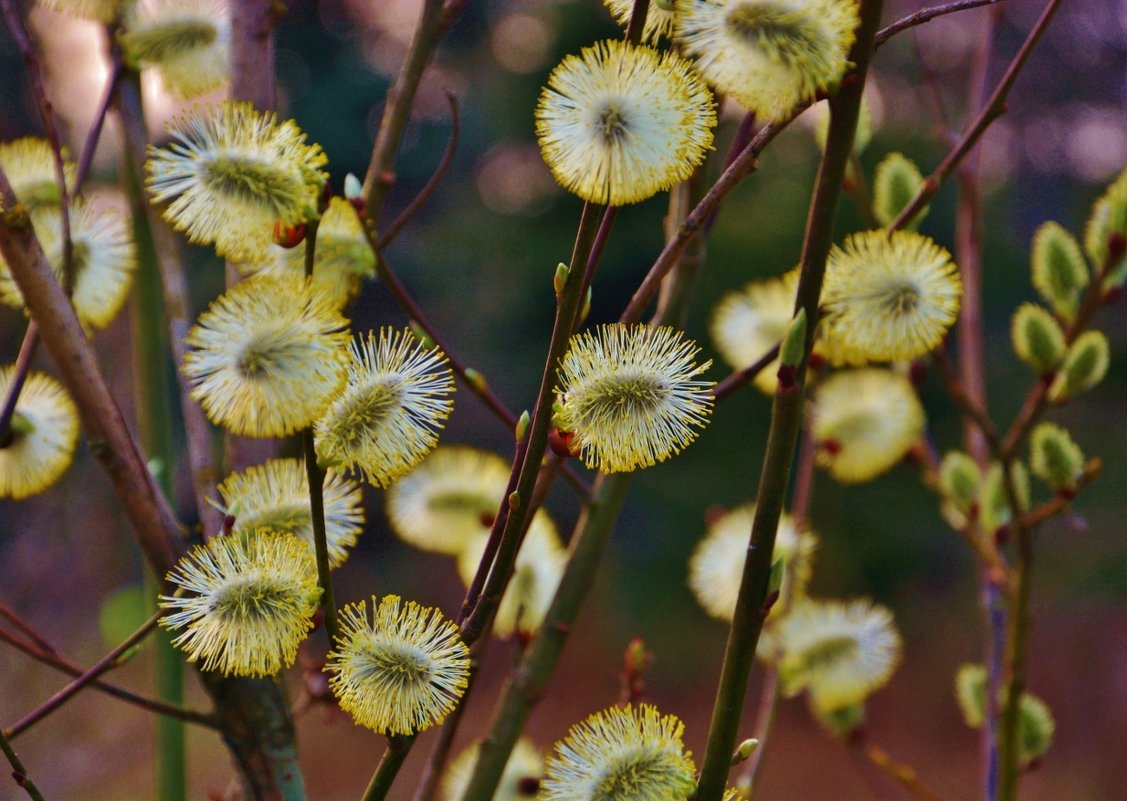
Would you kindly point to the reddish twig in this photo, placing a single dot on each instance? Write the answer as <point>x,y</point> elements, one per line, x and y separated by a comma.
<point>925,14</point>
<point>42,651</point>
<point>93,672</point>
<point>432,184</point>
<point>995,107</point>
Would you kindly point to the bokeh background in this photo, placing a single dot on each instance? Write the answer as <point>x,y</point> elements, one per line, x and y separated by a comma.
<point>480,259</point>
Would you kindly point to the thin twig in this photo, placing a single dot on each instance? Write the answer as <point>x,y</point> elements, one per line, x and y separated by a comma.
<point>925,14</point>
<point>20,371</point>
<point>86,158</point>
<point>429,188</point>
<point>155,526</point>
<point>19,772</point>
<point>995,107</point>
<point>741,377</point>
<point>47,114</point>
<point>901,773</point>
<point>480,388</point>
<point>93,672</point>
<point>786,421</point>
<point>41,651</point>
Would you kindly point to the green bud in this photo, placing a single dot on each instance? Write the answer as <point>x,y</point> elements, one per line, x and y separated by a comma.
<point>514,500</point>
<point>21,424</point>
<point>744,750</point>
<point>586,308</point>
<point>1037,338</point>
<point>793,347</point>
<point>1059,269</point>
<point>522,425</point>
<point>1108,219</point>
<point>1054,457</point>
<point>559,281</point>
<point>1035,728</point>
<point>959,480</point>
<point>775,579</point>
<point>1083,368</point>
<point>993,500</point>
<point>476,379</point>
<point>970,691</point>
<point>895,183</point>
<point>352,187</point>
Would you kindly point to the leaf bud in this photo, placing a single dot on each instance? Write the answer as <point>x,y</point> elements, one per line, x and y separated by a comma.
<point>1035,728</point>
<point>522,425</point>
<point>959,480</point>
<point>289,236</point>
<point>559,280</point>
<point>1037,338</point>
<point>970,691</point>
<point>1059,269</point>
<point>514,500</point>
<point>425,339</point>
<point>993,501</point>
<point>744,750</point>
<point>476,380</point>
<point>1083,368</point>
<point>1054,457</point>
<point>585,309</point>
<point>895,184</point>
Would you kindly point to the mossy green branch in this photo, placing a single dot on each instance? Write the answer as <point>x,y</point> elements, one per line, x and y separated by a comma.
<point>786,420</point>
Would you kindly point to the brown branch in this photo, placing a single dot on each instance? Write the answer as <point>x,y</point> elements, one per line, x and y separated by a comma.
<point>433,183</point>
<point>41,651</point>
<point>995,107</point>
<point>434,21</point>
<point>155,526</point>
<point>19,772</point>
<point>901,773</point>
<point>50,124</point>
<point>93,672</point>
<point>925,14</point>
<point>741,377</point>
<point>475,385</point>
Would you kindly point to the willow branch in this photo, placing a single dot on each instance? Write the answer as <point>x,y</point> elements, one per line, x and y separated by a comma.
<point>435,19</point>
<point>156,528</point>
<point>786,420</point>
<point>475,384</point>
<point>47,114</point>
<point>41,651</point>
<point>432,184</point>
<point>995,107</point>
<point>93,672</point>
<point>19,772</point>
<point>925,14</point>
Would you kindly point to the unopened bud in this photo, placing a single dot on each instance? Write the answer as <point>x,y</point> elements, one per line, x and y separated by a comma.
<point>1054,457</point>
<point>559,280</point>
<point>562,443</point>
<point>522,425</point>
<point>352,187</point>
<point>1059,269</point>
<point>586,308</point>
<point>744,750</point>
<point>289,236</point>
<point>778,571</point>
<point>1083,368</point>
<point>476,380</point>
<point>514,501</point>
<point>1037,338</point>
<point>793,347</point>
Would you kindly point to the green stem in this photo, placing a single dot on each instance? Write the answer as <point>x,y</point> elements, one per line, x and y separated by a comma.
<point>316,480</point>
<point>786,420</point>
<point>154,415</point>
<point>398,748</point>
<point>530,679</point>
<point>515,509</point>
<point>19,772</point>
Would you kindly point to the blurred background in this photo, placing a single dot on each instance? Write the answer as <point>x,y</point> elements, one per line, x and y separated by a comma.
<point>480,259</point>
